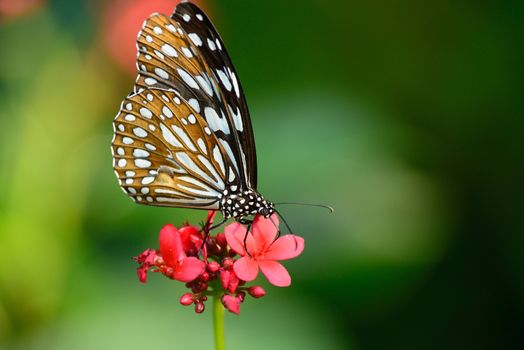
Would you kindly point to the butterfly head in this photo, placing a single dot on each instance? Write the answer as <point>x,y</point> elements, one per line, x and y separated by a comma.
<point>244,203</point>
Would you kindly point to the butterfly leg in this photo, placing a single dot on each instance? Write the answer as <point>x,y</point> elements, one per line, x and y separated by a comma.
<point>249,225</point>
<point>208,229</point>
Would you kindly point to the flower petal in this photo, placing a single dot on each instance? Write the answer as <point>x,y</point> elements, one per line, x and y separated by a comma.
<point>235,234</point>
<point>276,274</point>
<point>171,248</point>
<point>265,230</point>
<point>191,238</point>
<point>246,268</point>
<point>231,303</point>
<point>189,269</point>
<point>285,247</point>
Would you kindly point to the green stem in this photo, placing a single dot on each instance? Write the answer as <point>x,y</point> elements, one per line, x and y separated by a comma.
<point>218,323</point>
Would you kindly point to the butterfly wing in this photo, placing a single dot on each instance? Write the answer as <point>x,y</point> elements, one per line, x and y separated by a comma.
<point>165,153</point>
<point>185,53</point>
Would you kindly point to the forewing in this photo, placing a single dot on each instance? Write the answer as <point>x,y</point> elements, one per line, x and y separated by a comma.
<point>165,154</point>
<point>186,54</point>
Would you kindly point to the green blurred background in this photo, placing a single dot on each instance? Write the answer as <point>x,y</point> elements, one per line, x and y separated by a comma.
<point>405,116</point>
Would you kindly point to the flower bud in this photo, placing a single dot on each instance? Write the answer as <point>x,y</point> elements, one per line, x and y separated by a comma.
<point>227,263</point>
<point>213,266</point>
<point>256,291</point>
<point>202,286</point>
<point>221,240</point>
<point>199,307</point>
<point>204,276</point>
<point>231,303</point>
<point>241,296</point>
<point>187,299</point>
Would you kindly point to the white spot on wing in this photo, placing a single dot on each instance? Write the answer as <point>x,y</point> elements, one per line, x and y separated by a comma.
<point>224,79</point>
<point>169,50</point>
<point>214,121</point>
<point>140,153</point>
<point>150,147</point>
<point>169,137</point>
<point>150,81</point>
<point>127,140</point>
<point>194,104</point>
<point>185,138</point>
<point>235,83</point>
<point>202,145</point>
<point>205,85</point>
<point>211,44</point>
<point>237,119</point>
<point>142,163</point>
<point>218,158</point>
<point>146,113</point>
<point>229,152</point>
<point>167,112</point>
<point>139,132</point>
<point>188,79</point>
<point>187,52</point>
<point>130,118</point>
<point>147,180</point>
<point>195,39</point>
<point>161,73</point>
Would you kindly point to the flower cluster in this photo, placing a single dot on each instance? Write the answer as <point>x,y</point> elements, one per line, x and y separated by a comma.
<point>224,263</point>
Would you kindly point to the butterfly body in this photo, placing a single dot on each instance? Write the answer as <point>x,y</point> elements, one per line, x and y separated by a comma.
<point>183,137</point>
<point>240,204</point>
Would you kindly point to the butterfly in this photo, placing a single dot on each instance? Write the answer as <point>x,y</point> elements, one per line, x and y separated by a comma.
<point>183,137</point>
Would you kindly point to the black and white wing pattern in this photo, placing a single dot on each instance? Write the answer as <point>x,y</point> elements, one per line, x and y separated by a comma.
<point>184,53</point>
<point>165,154</point>
<point>183,138</point>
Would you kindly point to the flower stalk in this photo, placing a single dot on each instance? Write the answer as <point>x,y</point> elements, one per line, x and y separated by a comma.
<point>218,323</point>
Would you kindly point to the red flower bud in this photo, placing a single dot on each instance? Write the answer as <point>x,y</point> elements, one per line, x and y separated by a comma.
<point>204,276</point>
<point>256,291</point>
<point>199,307</point>
<point>231,303</point>
<point>227,263</point>
<point>142,273</point>
<point>213,266</point>
<point>241,296</point>
<point>187,299</point>
<point>221,240</point>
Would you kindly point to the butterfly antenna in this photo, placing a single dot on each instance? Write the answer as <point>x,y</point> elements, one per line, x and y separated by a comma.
<point>331,209</point>
<point>285,223</point>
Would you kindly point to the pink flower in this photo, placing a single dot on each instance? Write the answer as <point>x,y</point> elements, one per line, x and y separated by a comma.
<point>231,303</point>
<point>191,239</point>
<point>146,260</point>
<point>179,265</point>
<point>264,250</point>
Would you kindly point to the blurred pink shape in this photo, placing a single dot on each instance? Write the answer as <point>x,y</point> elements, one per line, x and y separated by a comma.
<point>15,8</point>
<point>123,20</point>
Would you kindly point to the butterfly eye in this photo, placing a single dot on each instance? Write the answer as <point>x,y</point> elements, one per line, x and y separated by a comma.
<point>264,211</point>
